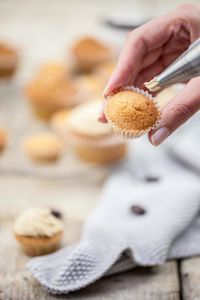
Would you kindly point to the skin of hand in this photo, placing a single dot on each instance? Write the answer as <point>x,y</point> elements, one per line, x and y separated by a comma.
<point>149,49</point>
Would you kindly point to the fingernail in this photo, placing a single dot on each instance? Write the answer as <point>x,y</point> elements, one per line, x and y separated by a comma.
<point>102,119</point>
<point>159,136</point>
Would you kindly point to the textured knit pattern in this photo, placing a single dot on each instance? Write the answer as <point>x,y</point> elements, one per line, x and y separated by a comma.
<point>115,239</point>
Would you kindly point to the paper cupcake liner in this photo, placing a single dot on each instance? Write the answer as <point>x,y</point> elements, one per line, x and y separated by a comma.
<point>39,246</point>
<point>103,150</point>
<point>128,134</point>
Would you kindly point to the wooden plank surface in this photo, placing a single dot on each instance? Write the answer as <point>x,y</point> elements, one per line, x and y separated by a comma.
<point>76,200</point>
<point>190,277</point>
<point>16,283</point>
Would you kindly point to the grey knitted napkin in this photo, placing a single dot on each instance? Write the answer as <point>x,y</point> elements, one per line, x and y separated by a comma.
<point>148,212</point>
<point>186,146</point>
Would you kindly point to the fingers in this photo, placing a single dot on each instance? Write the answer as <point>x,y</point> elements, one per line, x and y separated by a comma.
<point>151,36</point>
<point>128,63</point>
<point>156,68</point>
<point>145,40</point>
<point>177,112</point>
<point>102,117</point>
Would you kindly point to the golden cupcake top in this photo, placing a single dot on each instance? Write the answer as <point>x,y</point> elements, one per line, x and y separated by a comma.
<point>43,146</point>
<point>53,92</point>
<point>131,111</point>
<point>53,69</point>
<point>89,51</point>
<point>51,82</point>
<point>8,60</point>
<point>83,120</point>
<point>39,222</point>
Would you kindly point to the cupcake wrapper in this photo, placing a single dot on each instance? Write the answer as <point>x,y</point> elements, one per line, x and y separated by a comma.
<point>128,134</point>
<point>98,142</point>
<point>101,151</point>
<point>39,246</point>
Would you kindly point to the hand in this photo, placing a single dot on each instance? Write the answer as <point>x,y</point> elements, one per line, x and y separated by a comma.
<point>148,51</point>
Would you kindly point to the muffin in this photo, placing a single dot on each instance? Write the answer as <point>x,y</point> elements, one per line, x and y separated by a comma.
<point>3,140</point>
<point>164,96</point>
<point>8,60</point>
<point>39,231</point>
<point>58,123</point>
<point>52,90</point>
<point>131,112</point>
<point>88,53</point>
<point>93,141</point>
<point>52,70</point>
<point>43,147</point>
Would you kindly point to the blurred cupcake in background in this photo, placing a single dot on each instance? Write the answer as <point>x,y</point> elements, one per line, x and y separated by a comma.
<point>167,94</point>
<point>8,60</point>
<point>51,90</point>
<point>89,52</point>
<point>94,83</point>
<point>53,69</point>
<point>3,140</point>
<point>93,141</point>
<point>39,230</point>
<point>58,123</point>
<point>43,147</point>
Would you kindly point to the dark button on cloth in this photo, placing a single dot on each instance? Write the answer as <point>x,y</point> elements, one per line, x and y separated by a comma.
<point>138,210</point>
<point>151,178</point>
<point>56,213</point>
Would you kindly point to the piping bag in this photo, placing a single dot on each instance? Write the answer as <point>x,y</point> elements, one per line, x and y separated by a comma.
<point>182,69</point>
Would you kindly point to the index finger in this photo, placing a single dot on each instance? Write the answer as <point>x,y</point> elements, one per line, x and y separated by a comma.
<point>140,42</point>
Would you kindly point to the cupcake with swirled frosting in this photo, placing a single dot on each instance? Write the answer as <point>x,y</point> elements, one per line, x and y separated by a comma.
<point>39,230</point>
<point>93,141</point>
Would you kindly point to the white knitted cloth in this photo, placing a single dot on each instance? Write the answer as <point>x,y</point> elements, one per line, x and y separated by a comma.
<point>170,228</point>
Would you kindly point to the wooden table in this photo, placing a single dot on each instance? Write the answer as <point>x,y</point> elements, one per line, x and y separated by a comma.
<point>173,280</point>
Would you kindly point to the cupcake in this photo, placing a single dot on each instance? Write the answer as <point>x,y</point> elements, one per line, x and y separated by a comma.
<point>131,112</point>
<point>3,140</point>
<point>39,231</point>
<point>8,60</point>
<point>58,123</point>
<point>93,141</point>
<point>52,90</point>
<point>52,70</point>
<point>88,53</point>
<point>43,147</point>
<point>164,96</point>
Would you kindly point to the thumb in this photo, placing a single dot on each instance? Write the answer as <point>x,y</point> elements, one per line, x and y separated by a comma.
<point>177,112</point>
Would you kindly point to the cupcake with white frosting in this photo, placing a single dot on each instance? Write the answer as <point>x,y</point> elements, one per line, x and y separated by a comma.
<point>39,230</point>
<point>94,141</point>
